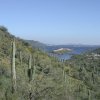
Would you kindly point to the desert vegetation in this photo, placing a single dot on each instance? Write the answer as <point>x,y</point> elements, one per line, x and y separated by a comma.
<point>27,73</point>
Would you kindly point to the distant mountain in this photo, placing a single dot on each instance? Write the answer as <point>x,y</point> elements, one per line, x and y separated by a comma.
<point>36,44</point>
<point>74,45</point>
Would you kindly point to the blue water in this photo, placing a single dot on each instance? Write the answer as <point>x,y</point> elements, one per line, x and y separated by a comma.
<point>75,50</point>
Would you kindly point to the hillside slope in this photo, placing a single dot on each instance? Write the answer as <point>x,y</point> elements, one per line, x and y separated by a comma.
<point>43,77</point>
<point>86,67</point>
<point>46,82</point>
<point>97,51</point>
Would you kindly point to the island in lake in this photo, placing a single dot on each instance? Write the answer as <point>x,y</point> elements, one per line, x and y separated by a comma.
<point>62,50</point>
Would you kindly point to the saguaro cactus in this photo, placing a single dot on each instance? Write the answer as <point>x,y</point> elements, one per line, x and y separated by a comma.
<point>30,77</point>
<point>89,95</point>
<point>34,69</point>
<point>93,79</point>
<point>20,57</point>
<point>30,68</point>
<point>13,72</point>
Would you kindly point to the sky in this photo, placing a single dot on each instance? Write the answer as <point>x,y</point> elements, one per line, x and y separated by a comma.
<point>53,21</point>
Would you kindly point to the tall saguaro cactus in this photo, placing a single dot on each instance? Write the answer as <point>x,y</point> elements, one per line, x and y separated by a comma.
<point>30,68</point>
<point>34,70</point>
<point>89,95</point>
<point>20,57</point>
<point>30,77</point>
<point>13,72</point>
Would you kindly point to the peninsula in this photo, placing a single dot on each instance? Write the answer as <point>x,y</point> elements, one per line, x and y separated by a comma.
<point>62,50</point>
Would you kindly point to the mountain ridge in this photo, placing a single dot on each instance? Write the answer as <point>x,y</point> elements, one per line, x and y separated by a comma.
<point>36,44</point>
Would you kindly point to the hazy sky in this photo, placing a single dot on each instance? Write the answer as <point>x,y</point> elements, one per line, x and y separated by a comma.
<point>53,21</point>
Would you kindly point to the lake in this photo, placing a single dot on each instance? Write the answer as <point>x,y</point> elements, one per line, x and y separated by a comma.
<point>75,50</point>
